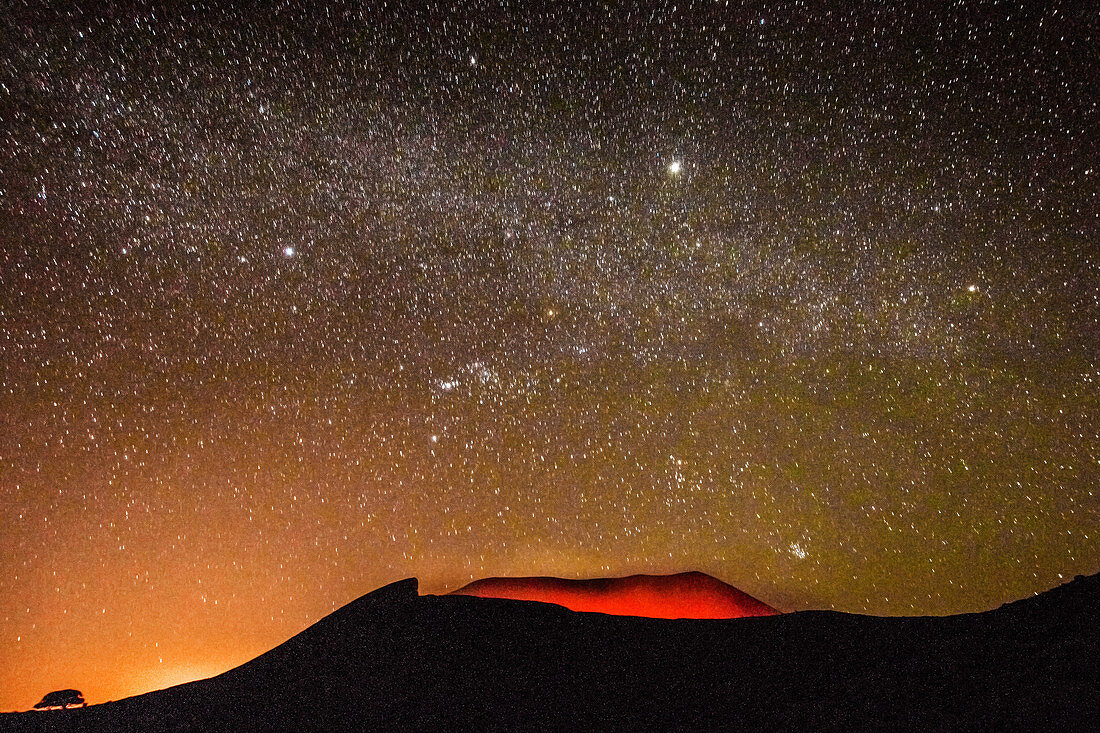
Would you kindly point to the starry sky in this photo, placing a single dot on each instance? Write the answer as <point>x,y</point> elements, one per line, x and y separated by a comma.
<point>300,301</point>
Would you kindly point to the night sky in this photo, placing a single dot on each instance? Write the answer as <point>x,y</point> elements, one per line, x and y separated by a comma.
<point>298,302</point>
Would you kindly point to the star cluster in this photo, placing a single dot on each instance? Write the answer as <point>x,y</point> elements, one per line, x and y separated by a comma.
<point>299,302</point>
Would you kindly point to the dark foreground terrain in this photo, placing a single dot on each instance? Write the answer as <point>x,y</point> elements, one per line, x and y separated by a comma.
<point>393,660</point>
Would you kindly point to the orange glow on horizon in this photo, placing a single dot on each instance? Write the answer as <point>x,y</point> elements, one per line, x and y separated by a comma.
<point>105,677</point>
<point>160,679</point>
<point>686,595</point>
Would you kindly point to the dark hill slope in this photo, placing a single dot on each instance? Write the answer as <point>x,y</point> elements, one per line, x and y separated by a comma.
<point>393,660</point>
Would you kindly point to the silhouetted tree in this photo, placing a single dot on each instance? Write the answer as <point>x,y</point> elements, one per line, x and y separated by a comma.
<point>60,699</point>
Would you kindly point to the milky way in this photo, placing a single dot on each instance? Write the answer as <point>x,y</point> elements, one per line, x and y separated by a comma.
<point>299,302</point>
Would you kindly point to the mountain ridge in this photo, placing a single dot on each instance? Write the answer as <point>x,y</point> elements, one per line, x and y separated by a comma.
<point>396,660</point>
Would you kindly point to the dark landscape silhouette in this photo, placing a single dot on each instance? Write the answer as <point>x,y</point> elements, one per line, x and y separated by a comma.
<point>61,699</point>
<point>394,660</point>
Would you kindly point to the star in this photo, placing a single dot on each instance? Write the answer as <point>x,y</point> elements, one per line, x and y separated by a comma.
<point>539,261</point>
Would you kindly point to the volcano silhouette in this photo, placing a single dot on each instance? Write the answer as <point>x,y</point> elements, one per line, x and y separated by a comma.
<point>394,660</point>
<point>684,595</point>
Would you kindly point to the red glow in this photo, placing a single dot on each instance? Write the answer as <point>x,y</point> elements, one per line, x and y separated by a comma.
<point>686,595</point>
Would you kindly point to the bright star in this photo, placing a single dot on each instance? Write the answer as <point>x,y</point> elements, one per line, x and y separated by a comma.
<point>288,251</point>
<point>675,167</point>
